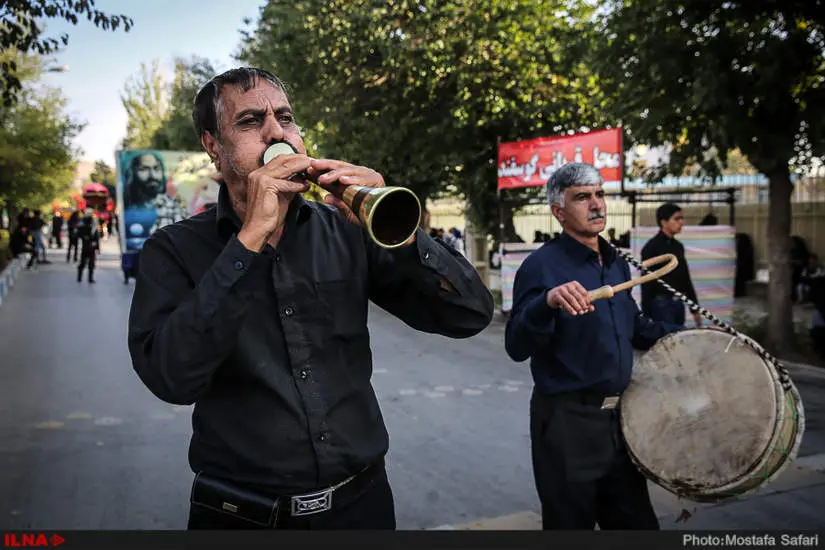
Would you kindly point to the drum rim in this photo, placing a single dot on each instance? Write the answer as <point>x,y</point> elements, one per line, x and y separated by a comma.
<point>781,418</point>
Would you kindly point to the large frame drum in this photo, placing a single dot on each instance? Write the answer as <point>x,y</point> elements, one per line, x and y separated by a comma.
<point>707,418</point>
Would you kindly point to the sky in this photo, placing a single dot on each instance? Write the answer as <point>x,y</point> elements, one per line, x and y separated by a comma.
<point>100,62</point>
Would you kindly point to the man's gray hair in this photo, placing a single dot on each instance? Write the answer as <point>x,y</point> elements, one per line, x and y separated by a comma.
<point>574,173</point>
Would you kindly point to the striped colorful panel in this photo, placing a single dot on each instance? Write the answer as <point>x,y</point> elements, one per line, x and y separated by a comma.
<point>710,252</point>
<point>514,255</point>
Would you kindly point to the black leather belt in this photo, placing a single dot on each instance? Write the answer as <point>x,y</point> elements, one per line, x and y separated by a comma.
<point>226,497</point>
<point>343,493</point>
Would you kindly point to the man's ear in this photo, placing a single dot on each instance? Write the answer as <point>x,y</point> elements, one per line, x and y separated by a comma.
<point>210,143</point>
<point>557,212</point>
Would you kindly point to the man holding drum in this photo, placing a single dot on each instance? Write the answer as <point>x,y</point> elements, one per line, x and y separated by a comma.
<point>256,312</point>
<point>581,356</point>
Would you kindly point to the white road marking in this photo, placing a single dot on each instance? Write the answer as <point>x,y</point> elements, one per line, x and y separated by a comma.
<point>108,421</point>
<point>50,425</point>
<point>508,388</point>
<point>407,392</point>
<point>468,391</point>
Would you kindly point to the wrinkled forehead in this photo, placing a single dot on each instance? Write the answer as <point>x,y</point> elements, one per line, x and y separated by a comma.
<point>586,188</point>
<point>262,96</point>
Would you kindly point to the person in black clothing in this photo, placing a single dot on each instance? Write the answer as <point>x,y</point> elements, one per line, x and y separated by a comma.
<point>57,227</point>
<point>88,236</point>
<point>799,260</point>
<point>657,302</point>
<point>256,311</point>
<point>611,237</point>
<point>20,242</point>
<point>73,225</point>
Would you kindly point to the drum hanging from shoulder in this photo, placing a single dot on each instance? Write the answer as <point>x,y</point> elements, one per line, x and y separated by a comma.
<point>707,418</point>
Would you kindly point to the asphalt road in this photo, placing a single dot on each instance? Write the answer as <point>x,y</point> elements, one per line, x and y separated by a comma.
<point>83,445</point>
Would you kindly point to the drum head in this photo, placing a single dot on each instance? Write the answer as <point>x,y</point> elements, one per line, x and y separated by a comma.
<point>700,411</point>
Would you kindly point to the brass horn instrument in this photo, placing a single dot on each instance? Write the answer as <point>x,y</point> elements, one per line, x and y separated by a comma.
<point>389,214</point>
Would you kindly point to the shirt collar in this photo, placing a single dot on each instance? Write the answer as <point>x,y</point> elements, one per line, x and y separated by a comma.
<point>298,212</point>
<point>582,253</point>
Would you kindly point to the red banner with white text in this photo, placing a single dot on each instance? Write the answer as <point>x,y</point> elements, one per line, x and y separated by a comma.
<point>531,162</point>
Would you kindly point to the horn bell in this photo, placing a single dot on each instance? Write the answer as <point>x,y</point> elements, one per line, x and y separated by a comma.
<point>390,214</point>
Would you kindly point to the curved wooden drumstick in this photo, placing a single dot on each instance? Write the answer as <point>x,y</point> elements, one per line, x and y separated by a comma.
<point>608,291</point>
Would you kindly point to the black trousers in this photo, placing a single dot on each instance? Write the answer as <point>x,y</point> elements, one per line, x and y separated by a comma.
<point>87,257</point>
<point>373,508</point>
<point>583,473</point>
<point>72,245</point>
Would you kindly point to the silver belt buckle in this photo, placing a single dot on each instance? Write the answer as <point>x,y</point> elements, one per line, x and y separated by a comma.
<point>313,503</point>
<point>610,402</point>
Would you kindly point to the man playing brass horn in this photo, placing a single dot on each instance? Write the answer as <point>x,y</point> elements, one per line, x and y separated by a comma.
<point>256,311</point>
<point>581,355</point>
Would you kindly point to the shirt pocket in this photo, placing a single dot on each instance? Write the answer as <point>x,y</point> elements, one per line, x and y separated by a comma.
<point>344,307</point>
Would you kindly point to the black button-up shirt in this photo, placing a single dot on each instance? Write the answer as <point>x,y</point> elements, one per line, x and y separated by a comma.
<point>592,352</point>
<point>273,347</point>
<point>679,278</point>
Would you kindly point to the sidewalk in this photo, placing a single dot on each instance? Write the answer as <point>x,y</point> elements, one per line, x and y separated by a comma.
<point>794,501</point>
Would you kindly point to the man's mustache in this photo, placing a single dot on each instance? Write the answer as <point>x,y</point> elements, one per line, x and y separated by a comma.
<point>600,215</point>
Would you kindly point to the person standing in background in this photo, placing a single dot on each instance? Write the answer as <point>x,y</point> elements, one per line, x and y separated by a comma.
<point>89,241</point>
<point>57,227</point>
<point>73,226</point>
<point>657,302</point>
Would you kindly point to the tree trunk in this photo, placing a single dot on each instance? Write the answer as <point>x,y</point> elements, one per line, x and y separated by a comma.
<point>510,235</point>
<point>780,311</point>
<point>13,212</point>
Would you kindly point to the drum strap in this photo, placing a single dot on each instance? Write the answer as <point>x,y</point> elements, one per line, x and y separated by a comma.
<point>784,376</point>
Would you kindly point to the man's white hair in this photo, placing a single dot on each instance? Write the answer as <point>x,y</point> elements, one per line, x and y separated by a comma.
<point>574,173</point>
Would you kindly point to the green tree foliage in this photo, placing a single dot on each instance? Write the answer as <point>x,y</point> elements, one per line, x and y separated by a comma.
<point>146,99</point>
<point>37,159</point>
<point>21,28</point>
<point>177,133</point>
<point>423,90</point>
<point>159,110</point>
<point>709,77</point>
<point>103,174</point>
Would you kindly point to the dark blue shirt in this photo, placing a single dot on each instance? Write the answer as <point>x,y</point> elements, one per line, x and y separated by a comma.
<point>586,352</point>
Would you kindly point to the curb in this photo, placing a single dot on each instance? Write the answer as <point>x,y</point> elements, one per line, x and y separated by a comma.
<point>9,276</point>
<point>813,370</point>
<point>804,473</point>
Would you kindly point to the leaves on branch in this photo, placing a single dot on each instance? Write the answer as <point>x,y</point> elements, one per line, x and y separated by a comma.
<point>37,156</point>
<point>424,90</point>
<point>709,77</point>
<point>21,28</point>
